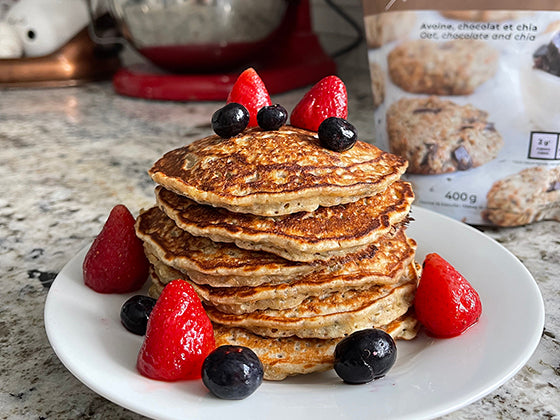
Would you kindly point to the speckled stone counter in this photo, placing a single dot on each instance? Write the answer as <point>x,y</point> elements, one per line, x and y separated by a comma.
<point>67,156</point>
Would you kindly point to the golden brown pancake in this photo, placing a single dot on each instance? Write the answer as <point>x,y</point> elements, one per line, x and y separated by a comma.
<point>271,173</point>
<point>290,246</point>
<point>320,235</point>
<point>282,357</point>
<point>292,355</point>
<point>209,262</point>
<point>331,316</point>
<point>384,267</point>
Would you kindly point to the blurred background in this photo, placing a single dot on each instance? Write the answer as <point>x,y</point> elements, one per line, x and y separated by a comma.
<point>177,49</point>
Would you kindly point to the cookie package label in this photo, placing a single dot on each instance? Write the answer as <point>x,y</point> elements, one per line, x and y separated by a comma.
<point>468,97</point>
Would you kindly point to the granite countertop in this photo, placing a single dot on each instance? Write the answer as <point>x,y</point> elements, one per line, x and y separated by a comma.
<point>68,155</point>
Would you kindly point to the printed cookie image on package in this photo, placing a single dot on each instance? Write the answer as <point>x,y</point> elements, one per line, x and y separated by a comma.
<point>525,197</point>
<point>467,96</point>
<point>454,67</point>
<point>437,136</point>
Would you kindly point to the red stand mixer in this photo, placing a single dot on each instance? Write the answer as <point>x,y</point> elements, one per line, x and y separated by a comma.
<point>289,57</point>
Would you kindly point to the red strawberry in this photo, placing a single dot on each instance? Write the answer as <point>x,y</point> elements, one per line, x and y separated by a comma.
<point>446,304</point>
<point>249,90</point>
<point>115,262</point>
<point>179,336</point>
<point>326,99</point>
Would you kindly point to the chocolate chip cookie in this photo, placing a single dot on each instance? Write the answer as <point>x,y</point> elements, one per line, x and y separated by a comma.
<point>439,136</point>
<point>524,197</point>
<point>455,67</point>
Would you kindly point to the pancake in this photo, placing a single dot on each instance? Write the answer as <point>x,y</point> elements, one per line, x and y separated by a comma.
<point>332,316</point>
<point>271,173</point>
<point>386,266</point>
<point>208,262</point>
<point>283,357</point>
<point>320,235</point>
<point>290,246</point>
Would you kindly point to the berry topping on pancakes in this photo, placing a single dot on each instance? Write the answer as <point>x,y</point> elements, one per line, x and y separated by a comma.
<point>327,98</point>
<point>250,91</point>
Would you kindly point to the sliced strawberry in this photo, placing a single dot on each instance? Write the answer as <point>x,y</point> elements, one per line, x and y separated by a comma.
<point>249,90</point>
<point>115,262</point>
<point>179,336</point>
<point>446,304</point>
<point>327,98</point>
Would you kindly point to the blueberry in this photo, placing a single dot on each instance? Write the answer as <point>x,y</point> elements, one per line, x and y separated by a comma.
<point>364,356</point>
<point>230,120</point>
<point>337,134</point>
<point>135,313</point>
<point>272,117</point>
<point>232,372</point>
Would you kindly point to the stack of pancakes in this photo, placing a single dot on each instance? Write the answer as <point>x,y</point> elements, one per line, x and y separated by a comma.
<point>290,246</point>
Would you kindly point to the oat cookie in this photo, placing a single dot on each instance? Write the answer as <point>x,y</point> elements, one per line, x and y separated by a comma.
<point>388,27</point>
<point>525,197</point>
<point>455,67</point>
<point>377,83</point>
<point>439,136</point>
<point>482,15</point>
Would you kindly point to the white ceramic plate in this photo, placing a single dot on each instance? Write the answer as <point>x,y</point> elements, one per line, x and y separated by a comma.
<point>431,377</point>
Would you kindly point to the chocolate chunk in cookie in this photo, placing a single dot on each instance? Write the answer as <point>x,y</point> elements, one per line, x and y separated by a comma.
<point>554,186</point>
<point>430,153</point>
<point>427,110</point>
<point>463,158</point>
<point>547,57</point>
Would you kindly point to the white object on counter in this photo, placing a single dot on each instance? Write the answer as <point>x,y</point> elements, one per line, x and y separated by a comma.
<point>43,26</point>
<point>11,45</point>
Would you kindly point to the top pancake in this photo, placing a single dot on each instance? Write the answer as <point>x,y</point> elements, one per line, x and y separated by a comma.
<point>272,173</point>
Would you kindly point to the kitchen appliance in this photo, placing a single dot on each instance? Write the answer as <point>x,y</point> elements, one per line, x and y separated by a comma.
<point>45,43</point>
<point>196,50</point>
<point>79,61</point>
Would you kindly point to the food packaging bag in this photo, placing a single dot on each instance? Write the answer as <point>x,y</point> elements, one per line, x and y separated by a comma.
<point>469,93</point>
